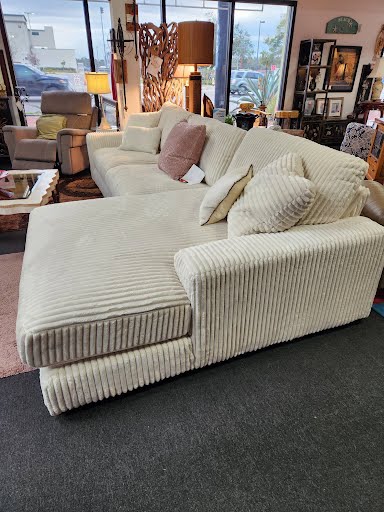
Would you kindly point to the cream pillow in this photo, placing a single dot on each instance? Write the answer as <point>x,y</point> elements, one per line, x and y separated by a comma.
<point>274,200</point>
<point>137,138</point>
<point>145,119</point>
<point>221,196</point>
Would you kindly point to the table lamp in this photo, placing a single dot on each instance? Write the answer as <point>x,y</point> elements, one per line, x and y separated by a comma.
<point>377,73</point>
<point>98,83</point>
<point>182,74</point>
<point>195,47</point>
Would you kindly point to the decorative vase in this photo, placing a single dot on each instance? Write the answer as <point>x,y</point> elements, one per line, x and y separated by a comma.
<point>245,120</point>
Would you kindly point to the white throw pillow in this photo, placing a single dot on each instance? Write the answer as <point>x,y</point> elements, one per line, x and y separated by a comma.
<point>146,140</point>
<point>221,196</point>
<point>274,200</point>
<point>145,120</point>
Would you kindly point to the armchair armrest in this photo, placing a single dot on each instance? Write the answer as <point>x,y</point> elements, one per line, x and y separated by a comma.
<point>12,135</point>
<point>80,132</point>
<point>253,291</point>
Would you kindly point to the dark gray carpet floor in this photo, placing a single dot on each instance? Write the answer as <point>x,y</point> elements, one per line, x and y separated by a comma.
<point>293,428</point>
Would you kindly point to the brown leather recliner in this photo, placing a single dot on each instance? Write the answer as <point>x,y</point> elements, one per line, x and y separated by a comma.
<point>69,151</point>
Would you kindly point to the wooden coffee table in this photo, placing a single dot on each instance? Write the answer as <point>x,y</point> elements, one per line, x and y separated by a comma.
<point>44,187</point>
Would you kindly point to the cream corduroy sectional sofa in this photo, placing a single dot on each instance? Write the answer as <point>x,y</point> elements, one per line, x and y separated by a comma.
<point>127,290</point>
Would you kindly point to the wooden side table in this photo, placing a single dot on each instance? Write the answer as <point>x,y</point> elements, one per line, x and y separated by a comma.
<point>365,107</point>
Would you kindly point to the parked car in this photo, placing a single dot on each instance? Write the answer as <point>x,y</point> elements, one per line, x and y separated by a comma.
<point>35,81</point>
<point>239,80</point>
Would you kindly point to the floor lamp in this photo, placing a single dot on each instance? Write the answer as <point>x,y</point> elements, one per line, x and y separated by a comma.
<point>195,48</point>
<point>98,83</point>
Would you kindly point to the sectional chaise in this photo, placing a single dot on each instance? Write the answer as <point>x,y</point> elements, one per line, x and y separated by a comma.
<point>126,290</point>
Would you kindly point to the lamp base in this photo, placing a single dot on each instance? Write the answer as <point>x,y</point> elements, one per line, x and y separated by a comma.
<point>104,125</point>
<point>195,92</point>
<point>377,88</point>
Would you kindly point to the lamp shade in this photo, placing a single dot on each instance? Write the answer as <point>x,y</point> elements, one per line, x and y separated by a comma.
<point>378,69</point>
<point>97,83</point>
<point>196,42</point>
<point>183,71</point>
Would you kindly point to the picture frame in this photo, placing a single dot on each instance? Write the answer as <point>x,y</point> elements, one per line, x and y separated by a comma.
<point>320,106</point>
<point>309,106</point>
<point>343,62</point>
<point>335,107</point>
<point>317,52</point>
<point>365,85</point>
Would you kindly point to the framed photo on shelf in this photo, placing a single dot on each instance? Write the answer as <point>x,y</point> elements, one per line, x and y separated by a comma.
<point>342,73</point>
<point>320,106</point>
<point>365,85</point>
<point>317,52</point>
<point>335,107</point>
<point>309,106</point>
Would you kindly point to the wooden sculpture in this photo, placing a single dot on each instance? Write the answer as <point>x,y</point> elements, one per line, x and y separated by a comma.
<point>158,53</point>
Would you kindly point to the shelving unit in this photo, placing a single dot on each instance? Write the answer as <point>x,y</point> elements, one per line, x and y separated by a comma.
<point>311,85</point>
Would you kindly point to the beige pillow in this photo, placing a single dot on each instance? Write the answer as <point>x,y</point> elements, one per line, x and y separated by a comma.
<point>138,138</point>
<point>221,196</point>
<point>144,119</point>
<point>274,200</point>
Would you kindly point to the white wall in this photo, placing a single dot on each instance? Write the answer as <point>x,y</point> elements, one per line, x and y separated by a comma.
<point>133,79</point>
<point>53,57</point>
<point>311,19</point>
<point>18,37</point>
<point>43,37</point>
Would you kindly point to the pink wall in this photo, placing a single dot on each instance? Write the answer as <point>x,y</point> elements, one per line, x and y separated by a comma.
<point>311,18</point>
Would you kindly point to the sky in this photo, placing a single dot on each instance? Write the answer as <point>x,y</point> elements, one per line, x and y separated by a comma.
<point>67,19</point>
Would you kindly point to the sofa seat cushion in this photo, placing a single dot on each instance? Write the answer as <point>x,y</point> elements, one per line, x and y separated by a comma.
<point>122,290</point>
<point>106,158</point>
<point>143,179</point>
<point>336,175</point>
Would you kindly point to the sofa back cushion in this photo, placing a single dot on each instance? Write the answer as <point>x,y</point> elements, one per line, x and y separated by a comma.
<point>182,149</point>
<point>337,176</point>
<point>144,119</point>
<point>170,115</point>
<point>221,143</point>
<point>138,138</point>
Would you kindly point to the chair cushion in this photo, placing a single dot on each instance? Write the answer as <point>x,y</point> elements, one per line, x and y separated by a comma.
<point>122,291</point>
<point>336,175</point>
<point>182,149</point>
<point>143,179</point>
<point>36,150</point>
<point>221,143</point>
<point>48,126</point>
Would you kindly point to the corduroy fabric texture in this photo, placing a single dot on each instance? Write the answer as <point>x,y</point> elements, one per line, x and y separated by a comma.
<point>144,119</point>
<point>356,206</point>
<point>274,200</point>
<point>221,143</point>
<point>336,175</point>
<point>170,116</point>
<point>81,383</point>
<point>142,139</point>
<point>122,290</point>
<point>250,292</point>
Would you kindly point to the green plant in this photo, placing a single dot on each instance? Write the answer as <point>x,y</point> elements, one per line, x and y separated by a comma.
<point>263,90</point>
<point>228,119</point>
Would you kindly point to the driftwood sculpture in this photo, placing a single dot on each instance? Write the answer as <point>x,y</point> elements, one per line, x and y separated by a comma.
<point>158,53</point>
<point>379,45</point>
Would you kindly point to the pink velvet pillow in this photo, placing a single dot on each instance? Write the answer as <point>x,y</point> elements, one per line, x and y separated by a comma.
<point>182,149</point>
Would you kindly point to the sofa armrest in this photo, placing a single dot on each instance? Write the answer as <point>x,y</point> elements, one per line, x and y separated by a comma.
<point>253,291</point>
<point>102,140</point>
<point>12,135</point>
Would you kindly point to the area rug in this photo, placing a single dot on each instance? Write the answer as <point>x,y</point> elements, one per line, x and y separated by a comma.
<point>71,188</point>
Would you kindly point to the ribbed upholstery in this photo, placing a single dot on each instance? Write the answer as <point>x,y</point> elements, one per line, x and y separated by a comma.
<point>221,143</point>
<point>357,205</point>
<point>97,141</point>
<point>76,384</point>
<point>98,276</point>
<point>137,179</point>
<point>254,291</point>
<point>337,176</point>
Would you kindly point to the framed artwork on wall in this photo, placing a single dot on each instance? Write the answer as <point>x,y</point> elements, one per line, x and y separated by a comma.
<point>365,84</point>
<point>335,107</point>
<point>342,73</point>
